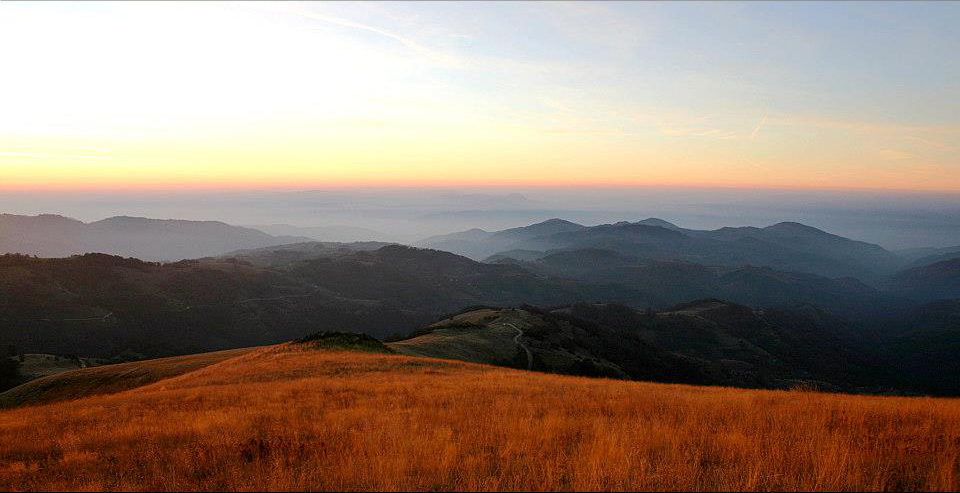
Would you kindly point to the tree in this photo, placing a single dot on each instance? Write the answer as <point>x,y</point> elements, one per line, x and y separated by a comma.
<point>9,373</point>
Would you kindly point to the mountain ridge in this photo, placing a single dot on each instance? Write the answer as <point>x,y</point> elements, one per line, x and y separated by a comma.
<point>52,235</point>
<point>784,246</point>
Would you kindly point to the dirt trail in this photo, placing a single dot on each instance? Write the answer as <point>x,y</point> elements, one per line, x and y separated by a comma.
<point>516,339</point>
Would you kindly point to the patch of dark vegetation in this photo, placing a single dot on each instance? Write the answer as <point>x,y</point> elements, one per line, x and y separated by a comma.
<point>692,304</point>
<point>774,347</point>
<point>343,340</point>
<point>9,373</point>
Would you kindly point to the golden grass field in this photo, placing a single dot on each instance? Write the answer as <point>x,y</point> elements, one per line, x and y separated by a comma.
<point>288,418</point>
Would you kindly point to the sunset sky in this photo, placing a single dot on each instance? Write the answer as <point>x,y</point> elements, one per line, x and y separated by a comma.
<point>291,95</point>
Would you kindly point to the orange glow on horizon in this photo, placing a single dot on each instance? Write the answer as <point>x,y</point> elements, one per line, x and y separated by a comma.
<point>261,185</point>
<point>377,108</point>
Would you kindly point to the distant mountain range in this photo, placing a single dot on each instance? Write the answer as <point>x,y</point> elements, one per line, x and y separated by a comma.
<point>777,305</point>
<point>924,256</point>
<point>786,326</point>
<point>334,233</point>
<point>280,256</point>
<point>788,247</point>
<point>650,260</point>
<point>51,235</point>
<point>936,281</point>
<point>668,282</point>
<point>784,246</point>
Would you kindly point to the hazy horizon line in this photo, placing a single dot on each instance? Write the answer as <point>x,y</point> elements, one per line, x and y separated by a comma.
<point>456,186</point>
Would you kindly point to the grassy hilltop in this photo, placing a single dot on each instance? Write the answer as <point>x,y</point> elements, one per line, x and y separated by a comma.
<point>294,416</point>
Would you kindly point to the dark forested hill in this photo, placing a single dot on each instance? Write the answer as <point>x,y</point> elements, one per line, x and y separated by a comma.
<point>668,282</point>
<point>101,305</point>
<point>614,319</point>
<point>936,281</point>
<point>707,341</point>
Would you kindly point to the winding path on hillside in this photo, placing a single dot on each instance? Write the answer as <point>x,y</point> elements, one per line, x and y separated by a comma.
<point>88,319</point>
<point>516,339</point>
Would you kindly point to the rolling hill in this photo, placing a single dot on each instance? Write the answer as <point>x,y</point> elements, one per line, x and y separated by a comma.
<point>668,282</point>
<point>100,306</point>
<point>703,342</point>
<point>21,368</point>
<point>918,257</point>
<point>108,379</point>
<point>924,343</point>
<point>332,233</point>
<point>284,255</point>
<point>439,282</point>
<point>796,327</point>
<point>292,417</point>
<point>937,281</point>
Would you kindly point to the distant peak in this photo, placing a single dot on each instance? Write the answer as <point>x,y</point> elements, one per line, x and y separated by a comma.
<point>791,225</point>
<point>396,247</point>
<point>550,226</point>
<point>654,221</point>
<point>149,220</point>
<point>556,221</point>
<point>125,218</point>
<point>40,217</point>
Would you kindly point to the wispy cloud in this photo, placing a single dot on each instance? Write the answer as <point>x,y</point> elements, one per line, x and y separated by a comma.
<point>902,129</point>
<point>698,132</point>
<point>444,58</point>
<point>933,144</point>
<point>757,128</point>
<point>585,131</point>
<point>554,104</point>
<point>893,154</point>
<point>48,155</point>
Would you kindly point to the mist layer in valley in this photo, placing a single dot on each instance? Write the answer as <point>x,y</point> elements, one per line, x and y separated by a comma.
<point>893,220</point>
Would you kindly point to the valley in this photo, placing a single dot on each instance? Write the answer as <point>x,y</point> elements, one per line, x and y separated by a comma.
<point>591,312</point>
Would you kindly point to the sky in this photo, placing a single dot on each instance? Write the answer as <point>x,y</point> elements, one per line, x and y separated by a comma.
<point>295,95</point>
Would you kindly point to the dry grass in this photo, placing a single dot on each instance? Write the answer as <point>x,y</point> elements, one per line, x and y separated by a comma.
<point>281,418</point>
<point>74,384</point>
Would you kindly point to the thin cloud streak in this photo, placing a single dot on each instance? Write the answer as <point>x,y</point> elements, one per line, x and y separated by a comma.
<point>443,58</point>
<point>757,128</point>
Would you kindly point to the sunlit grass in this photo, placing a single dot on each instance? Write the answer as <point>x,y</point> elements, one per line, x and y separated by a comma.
<point>282,418</point>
